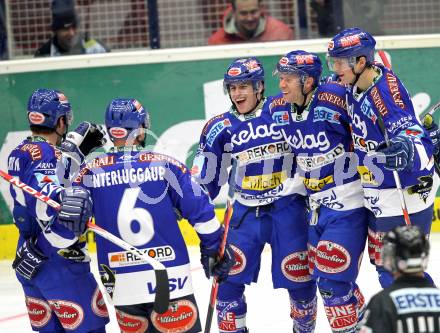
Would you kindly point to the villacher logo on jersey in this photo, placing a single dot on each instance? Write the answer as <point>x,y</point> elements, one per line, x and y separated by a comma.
<point>126,258</point>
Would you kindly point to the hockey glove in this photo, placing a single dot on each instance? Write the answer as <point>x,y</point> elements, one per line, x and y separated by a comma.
<point>399,155</point>
<point>76,209</point>
<point>28,259</point>
<point>434,134</point>
<point>83,140</point>
<point>213,266</point>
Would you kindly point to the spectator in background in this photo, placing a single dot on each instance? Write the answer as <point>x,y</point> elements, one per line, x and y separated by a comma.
<point>246,21</point>
<point>66,39</point>
<point>324,17</point>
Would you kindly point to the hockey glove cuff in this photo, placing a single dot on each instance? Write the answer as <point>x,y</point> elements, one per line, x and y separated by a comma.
<point>215,266</point>
<point>399,155</point>
<point>76,209</point>
<point>83,140</point>
<point>28,260</point>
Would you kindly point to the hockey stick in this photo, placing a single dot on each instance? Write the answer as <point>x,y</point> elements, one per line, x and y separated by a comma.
<point>162,298</point>
<point>388,143</point>
<point>226,220</point>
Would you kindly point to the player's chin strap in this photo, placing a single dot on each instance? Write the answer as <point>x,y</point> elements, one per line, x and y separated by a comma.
<point>300,108</point>
<point>357,75</point>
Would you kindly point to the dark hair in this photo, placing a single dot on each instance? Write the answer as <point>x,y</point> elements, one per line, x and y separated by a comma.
<point>234,5</point>
<point>64,14</point>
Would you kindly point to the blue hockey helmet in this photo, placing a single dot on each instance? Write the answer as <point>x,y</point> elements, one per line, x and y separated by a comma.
<point>124,115</point>
<point>244,70</point>
<point>46,106</point>
<point>351,43</point>
<point>302,63</point>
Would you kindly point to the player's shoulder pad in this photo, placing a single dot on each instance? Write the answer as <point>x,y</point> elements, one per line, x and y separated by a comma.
<point>214,127</point>
<point>276,103</point>
<point>100,161</point>
<point>221,118</point>
<point>333,94</point>
<point>389,88</point>
<point>153,157</point>
<point>37,150</point>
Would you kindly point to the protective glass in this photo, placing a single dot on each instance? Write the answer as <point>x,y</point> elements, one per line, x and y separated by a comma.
<point>242,87</point>
<point>340,64</point>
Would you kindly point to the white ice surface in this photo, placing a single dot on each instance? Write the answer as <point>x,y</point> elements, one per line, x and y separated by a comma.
<point>268,309</point>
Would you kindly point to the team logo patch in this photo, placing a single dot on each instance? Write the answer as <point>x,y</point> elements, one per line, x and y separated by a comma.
<point>331,45</point>
<point>39,311</point>
<point>70,314</point>
<point>240,261</point>
<point>264,182</point>
<point>343,317</point>
<point>98,304</point>
<point>127,258</point>
<point>295,267</point>
<point>234,71</point>
<point>118,132</point>
<point>367,177</point>
<point>283,61</point>
<point>350,40</point>
<point>216,130</point>
<point>304,59</point>
<point>36,118</point>
<point>281,117</point>
<point>131,324</point>
<point>180,317</point>
<point>331,257</point>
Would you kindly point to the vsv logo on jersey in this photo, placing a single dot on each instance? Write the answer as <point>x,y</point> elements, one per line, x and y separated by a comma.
<point>281,117</point>
<point>309,141</point>
<point>174,284</point>
<point>216,130</point>
<point>325,114</point>
<point>260,132</point>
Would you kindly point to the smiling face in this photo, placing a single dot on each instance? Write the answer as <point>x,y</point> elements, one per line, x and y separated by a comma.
<point>247,15</point>
<point>290,86</point>
<point>243,96</point>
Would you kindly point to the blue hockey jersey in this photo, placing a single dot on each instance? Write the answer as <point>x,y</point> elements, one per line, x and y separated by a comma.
<point>320,138</point>
<point>138,196</point>
<point>265,164</point>
<point>388,98</point>
<point>42,166</point>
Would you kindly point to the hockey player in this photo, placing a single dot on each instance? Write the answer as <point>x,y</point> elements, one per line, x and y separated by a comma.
<point>411,303</point>
<point>138,196</point>
<point>316,126</point>
<point>51,263</point>
<point>269,205</point>
<point>381,110</point>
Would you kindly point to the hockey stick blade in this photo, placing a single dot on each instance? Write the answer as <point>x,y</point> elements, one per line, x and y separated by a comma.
<point>162,297</point>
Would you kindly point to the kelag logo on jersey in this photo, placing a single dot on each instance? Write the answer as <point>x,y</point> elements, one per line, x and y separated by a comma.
<point>259,132</point>
<point>325,114</point>
<point>216,130</point>
<point>281,117</point>
<point>126,258</point>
